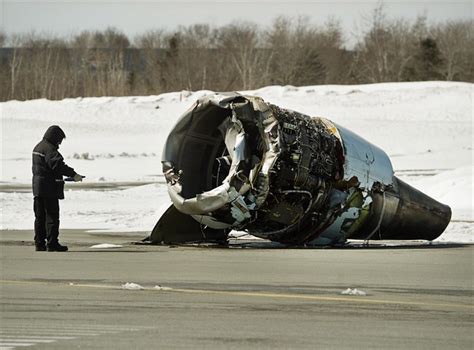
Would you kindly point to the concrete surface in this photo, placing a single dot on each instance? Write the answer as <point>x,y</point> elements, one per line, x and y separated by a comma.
<point>418,297</point>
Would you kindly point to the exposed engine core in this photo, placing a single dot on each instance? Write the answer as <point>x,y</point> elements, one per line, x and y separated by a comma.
<point>237,162</point>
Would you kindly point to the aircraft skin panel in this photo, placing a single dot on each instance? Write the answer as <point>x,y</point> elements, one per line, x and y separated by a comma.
<point>365,160</point>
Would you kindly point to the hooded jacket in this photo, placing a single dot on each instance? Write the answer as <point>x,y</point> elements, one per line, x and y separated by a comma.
<point>48,165</point>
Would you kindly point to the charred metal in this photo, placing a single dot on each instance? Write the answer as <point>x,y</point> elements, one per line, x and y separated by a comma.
<point>235,162</point>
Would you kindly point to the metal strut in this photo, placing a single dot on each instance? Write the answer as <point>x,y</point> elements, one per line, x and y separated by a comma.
<point>377,228</point>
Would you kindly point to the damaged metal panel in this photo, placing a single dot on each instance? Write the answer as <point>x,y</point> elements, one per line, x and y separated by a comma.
<point>237,162</point>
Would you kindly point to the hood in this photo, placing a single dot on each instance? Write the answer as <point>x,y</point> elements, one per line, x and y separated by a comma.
<point>54,134</point>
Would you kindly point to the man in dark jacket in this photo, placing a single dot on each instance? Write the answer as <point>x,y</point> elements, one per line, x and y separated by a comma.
<point>48,187</point>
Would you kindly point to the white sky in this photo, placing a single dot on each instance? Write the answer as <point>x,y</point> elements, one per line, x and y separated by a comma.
<point>66,17</point>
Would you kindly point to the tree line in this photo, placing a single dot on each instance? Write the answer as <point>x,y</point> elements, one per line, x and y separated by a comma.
<point>238,56</point>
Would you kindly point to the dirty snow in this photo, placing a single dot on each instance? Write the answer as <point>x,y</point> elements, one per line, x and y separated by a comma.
<point>425,128</point>
<point>158,287</point>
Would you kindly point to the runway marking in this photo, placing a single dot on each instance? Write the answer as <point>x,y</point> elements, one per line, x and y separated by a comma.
<point>70,330</point>
<point>39,332</point>
<point>86,328</point>
<point>67,330</point>
<point>57,331</point>
<point>23,340</point>
<point>13,335</point>
<point>2,344</point>
<point>353,299</point>
<point>39,337</point>
<point>75,329</point>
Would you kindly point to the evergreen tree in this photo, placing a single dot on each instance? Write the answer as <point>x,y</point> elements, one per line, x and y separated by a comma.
<point>427,62</point>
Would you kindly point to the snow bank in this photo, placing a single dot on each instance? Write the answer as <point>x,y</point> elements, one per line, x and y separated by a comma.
<point>454,188</point>
<point>426,128</point>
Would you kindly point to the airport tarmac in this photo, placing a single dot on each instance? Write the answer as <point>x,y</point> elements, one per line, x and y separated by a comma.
<point>244,297</point>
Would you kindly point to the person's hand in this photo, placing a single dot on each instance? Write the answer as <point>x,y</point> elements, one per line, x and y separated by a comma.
<point>78,178</point>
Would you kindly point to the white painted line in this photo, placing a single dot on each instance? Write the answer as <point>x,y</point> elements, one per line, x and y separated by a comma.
<point>93,326</point>
<point>15,344</point>
<point>60,328</point>
<point>46,332</point>
<point>59,332</point>
<point>45,326</point>
<point>49,333</point>
<point>81,328</point>
<point>37,337</point>
<point>33,328</point>
<point>23,340</point>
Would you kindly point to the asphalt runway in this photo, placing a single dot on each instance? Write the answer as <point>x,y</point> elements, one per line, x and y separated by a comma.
<point>245,297</point>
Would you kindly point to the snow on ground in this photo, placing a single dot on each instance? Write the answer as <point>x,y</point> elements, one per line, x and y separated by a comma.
<point>455,188</point>
<point>425,128</point>
<point>354,291</point>
<point>105,246</point>
<point>132,286</point>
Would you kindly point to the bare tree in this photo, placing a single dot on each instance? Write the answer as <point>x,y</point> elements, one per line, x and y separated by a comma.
<point>3,38</point>
<point>239,56</point>
<point>198,43</point>
<point>456,41</point>
<point>152,39</point>
<point>150,45</point>
<point>241,44</point>
<point>388,47</point>
<point>102,62</point>
<point>306,54</point>
<point>15,63</point>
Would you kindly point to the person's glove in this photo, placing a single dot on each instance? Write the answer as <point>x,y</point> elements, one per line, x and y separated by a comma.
<point>78,178</point>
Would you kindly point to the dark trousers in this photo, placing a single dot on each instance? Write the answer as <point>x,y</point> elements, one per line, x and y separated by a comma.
<point>46,220</point>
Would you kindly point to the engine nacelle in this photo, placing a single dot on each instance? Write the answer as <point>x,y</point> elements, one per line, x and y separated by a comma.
<point>235,162</point>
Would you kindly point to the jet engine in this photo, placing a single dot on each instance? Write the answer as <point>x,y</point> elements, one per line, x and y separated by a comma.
<point>235,162</point>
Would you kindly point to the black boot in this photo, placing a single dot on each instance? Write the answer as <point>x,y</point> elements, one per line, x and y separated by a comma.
<point>56,248</point>
<point>40,247</point>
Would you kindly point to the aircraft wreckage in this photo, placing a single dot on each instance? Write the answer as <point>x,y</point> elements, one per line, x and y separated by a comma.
<point>235,162</point>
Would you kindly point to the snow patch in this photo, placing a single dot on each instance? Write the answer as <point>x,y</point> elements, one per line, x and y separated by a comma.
<point>132,286</point>
<point>105,246</point>
<point>158,287</point>
<point>354,291</point>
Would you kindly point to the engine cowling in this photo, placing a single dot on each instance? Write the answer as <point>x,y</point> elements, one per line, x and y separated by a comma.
<point>235,162</point>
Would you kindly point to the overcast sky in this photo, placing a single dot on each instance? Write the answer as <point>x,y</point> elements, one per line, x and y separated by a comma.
<point>65,17</point>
